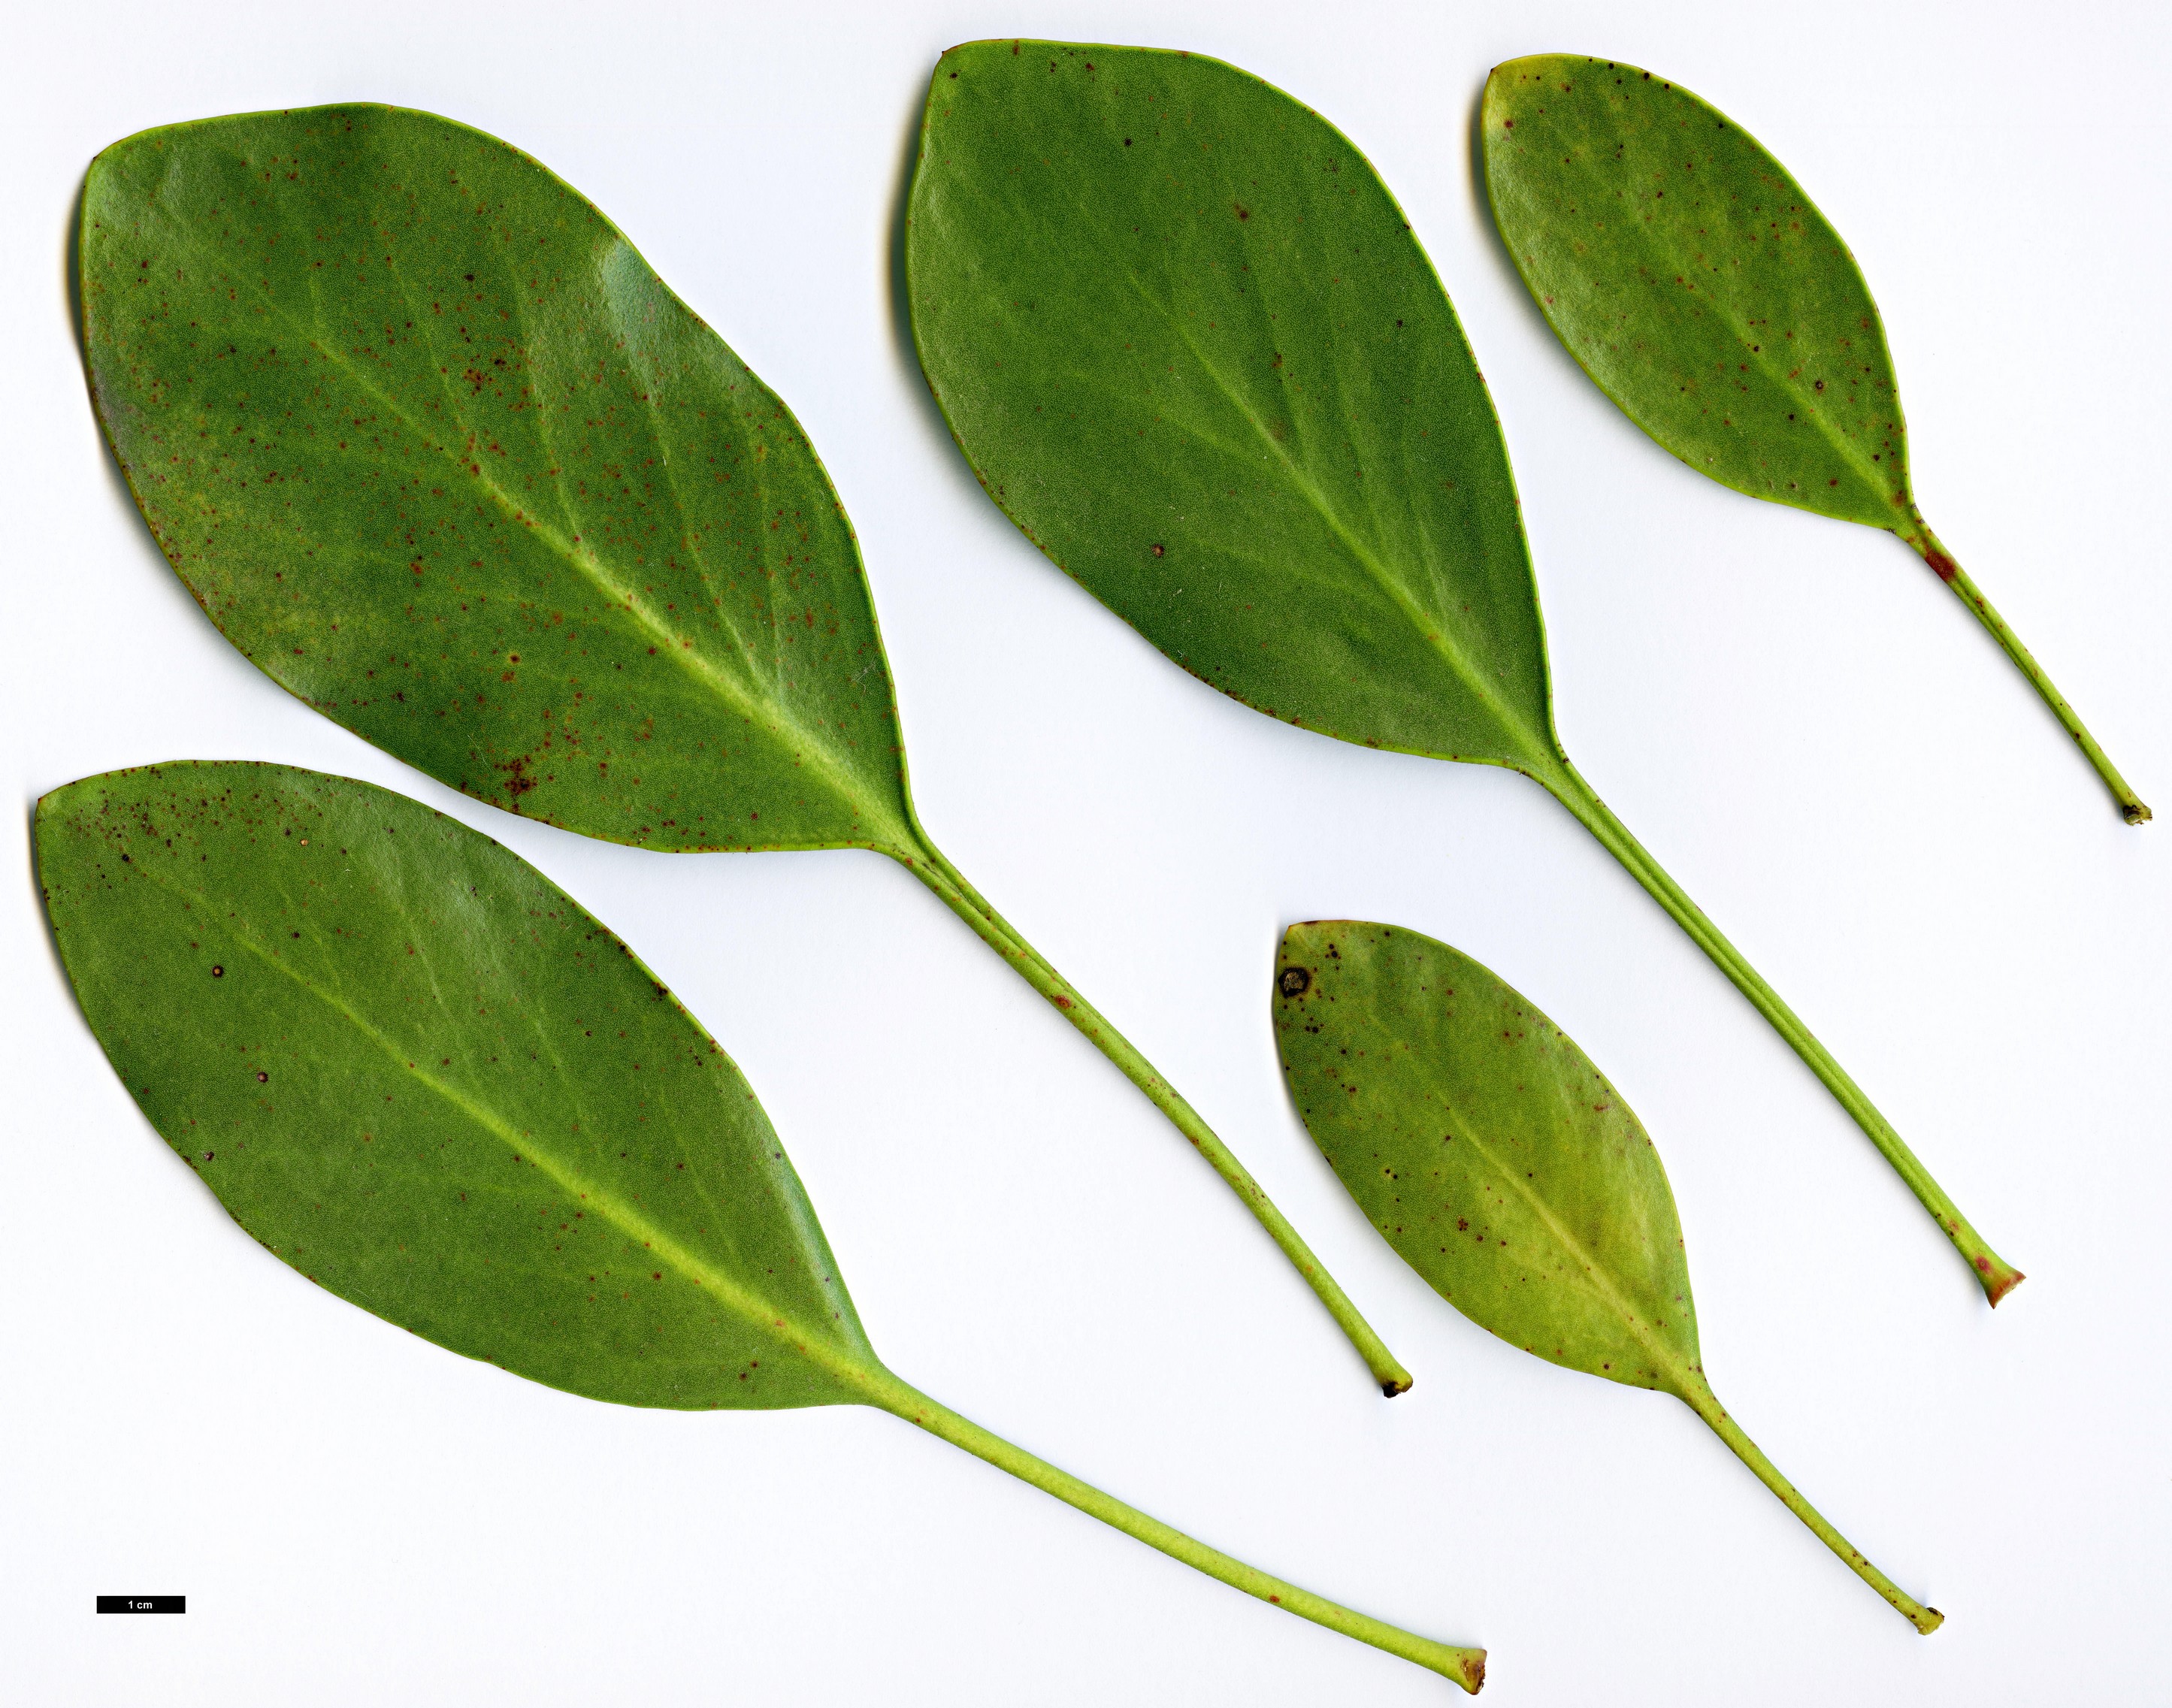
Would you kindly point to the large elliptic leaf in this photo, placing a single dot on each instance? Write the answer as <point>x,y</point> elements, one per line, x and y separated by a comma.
<point>437,450</point>
<point>435,447</point>
<point>1187,341</point>
<point>1708,297</point>
<point>1505,1169</point>
<point>420,1073</point>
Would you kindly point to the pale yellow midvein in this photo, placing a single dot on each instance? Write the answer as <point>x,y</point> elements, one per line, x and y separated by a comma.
<point>1601,1279</point>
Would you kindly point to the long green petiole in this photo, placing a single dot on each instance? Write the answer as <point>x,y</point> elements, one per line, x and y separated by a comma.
<point>933,869</point>
<point>1465,1667</point>
<point>1698,1396</point>
<point>1933,553</point>
<point>1993,1273</point>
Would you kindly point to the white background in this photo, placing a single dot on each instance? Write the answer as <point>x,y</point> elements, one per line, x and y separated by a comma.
<point>1792,713</point>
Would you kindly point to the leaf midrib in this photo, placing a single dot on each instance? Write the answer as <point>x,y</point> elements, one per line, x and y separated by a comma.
<point>1435,632</point>
<point>766,1319</point>
<point>687,659</point>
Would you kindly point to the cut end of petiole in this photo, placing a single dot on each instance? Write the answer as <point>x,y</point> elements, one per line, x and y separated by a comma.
<point>1925,1619</point>
<point>1387,1369</point>
<point>1474,1671</point>
<point>2136,811</point>
<point>1998,1278</point>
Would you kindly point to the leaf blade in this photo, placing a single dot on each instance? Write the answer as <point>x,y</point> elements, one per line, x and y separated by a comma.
<point>392,1080</point>
<point>1697,284</point>
<point>424,434</point>
<point>1176,323</point>
<point>1487,1149</point>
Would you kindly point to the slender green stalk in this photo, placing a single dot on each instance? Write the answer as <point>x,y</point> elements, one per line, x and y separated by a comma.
<point>1698,1396</point>
<point>949,884</point>
<point>1934,553</point>
<point>1993,1273</point>
<point>1465,1667</point>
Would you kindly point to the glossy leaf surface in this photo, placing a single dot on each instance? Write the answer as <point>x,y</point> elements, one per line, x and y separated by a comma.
<point>1487,1149</point>
<point>1187,341</point>
<point>438,451</point>
<point>1502,1167</point>
<point>1706,295</point>
<point>1183,334</point>
<point>434,446</point>
<point>419,1073</point>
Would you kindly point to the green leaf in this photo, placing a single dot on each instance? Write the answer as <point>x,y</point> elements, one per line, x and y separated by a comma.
<point>433,445</point>
<point>1487,1149</point>
<point>417,1071</point>
<point>1186,339</point>
<point>1706,295</point>
<point>422,1076</point>
<point>1503,1167</point>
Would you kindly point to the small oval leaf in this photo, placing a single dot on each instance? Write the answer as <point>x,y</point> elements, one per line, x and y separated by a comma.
<point>1487,1149</point>
<point>1697,284</point>
<point>1501,1167</point>
<point>1707,297</point>
<point>433,447</point>
<point>417,1071</point>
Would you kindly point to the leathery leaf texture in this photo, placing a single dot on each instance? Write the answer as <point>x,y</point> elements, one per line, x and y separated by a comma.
<point>1188,342</point>
<point>419,1073</point>
<point>1183,334</point>
<point>1705,294</point>
<point>1503,1167</point>
<point>422,1076</point>
<point>434,447</point>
